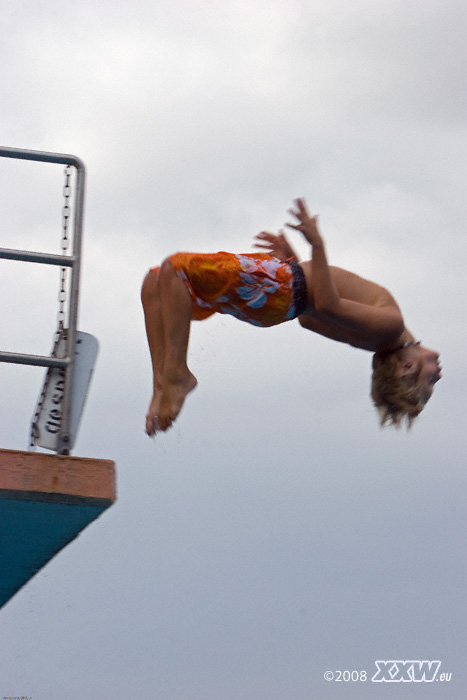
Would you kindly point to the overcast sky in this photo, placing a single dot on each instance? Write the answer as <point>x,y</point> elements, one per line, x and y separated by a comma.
<point>276,532</point>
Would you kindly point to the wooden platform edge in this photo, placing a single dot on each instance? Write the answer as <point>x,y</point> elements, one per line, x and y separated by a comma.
<point>39,476</point>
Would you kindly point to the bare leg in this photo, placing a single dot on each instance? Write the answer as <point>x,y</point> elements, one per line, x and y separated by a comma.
<point>176,305</point>
<point>155,334</point>
<point>168,309</point>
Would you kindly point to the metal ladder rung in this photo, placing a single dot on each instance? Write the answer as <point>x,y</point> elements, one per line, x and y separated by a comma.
<point>30,256</point>
<point>36,360</point>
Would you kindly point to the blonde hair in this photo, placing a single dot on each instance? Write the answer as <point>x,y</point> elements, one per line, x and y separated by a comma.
<point>398,399</point>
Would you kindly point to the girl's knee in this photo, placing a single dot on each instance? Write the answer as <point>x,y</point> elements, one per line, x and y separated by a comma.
<point>166,269</point>
<point>150,285</point>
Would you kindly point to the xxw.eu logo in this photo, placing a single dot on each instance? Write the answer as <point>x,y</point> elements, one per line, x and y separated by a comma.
<point>408,672</point>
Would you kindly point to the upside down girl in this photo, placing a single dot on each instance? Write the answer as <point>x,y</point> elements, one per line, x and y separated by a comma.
<point>272,287</point>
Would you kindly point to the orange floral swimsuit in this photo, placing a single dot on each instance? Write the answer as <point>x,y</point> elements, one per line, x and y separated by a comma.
<point>253,287</point>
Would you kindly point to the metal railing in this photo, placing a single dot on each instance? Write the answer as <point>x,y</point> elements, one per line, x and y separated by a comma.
<point>73,261</point>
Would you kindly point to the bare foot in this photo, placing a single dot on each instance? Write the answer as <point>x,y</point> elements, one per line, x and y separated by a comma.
<point>151,416</point>
<point>172,399</point>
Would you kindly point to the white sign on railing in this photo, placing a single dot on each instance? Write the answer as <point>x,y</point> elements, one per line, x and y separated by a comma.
<point>50,415</point>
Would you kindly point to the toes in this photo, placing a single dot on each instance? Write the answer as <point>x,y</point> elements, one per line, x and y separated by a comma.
<point>152,426</point>
<point>164,424</point>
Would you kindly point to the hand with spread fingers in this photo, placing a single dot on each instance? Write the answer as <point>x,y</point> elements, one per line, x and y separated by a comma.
<point>308,225</point>
<point>276,245</point>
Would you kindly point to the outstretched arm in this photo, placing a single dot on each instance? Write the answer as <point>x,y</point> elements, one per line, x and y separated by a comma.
<point>326,296</point>
<point>370,321</point>
<point>276,245</point>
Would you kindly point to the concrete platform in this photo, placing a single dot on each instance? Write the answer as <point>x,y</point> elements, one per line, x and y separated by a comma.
<point>45,502</point>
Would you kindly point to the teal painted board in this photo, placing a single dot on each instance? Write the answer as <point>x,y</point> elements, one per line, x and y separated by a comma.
<point>45,502</point>
<point>33,531</point>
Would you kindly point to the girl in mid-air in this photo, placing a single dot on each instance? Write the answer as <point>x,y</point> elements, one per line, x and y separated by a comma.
<point>268,288</point>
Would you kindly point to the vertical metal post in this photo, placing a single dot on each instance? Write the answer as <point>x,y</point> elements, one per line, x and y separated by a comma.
<point>63,446</point>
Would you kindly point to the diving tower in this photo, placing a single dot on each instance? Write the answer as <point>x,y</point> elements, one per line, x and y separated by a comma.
<point>46,500</point>
<point>45,503</point>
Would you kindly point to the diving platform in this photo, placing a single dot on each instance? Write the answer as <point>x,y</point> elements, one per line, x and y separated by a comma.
<point>46,501</point>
